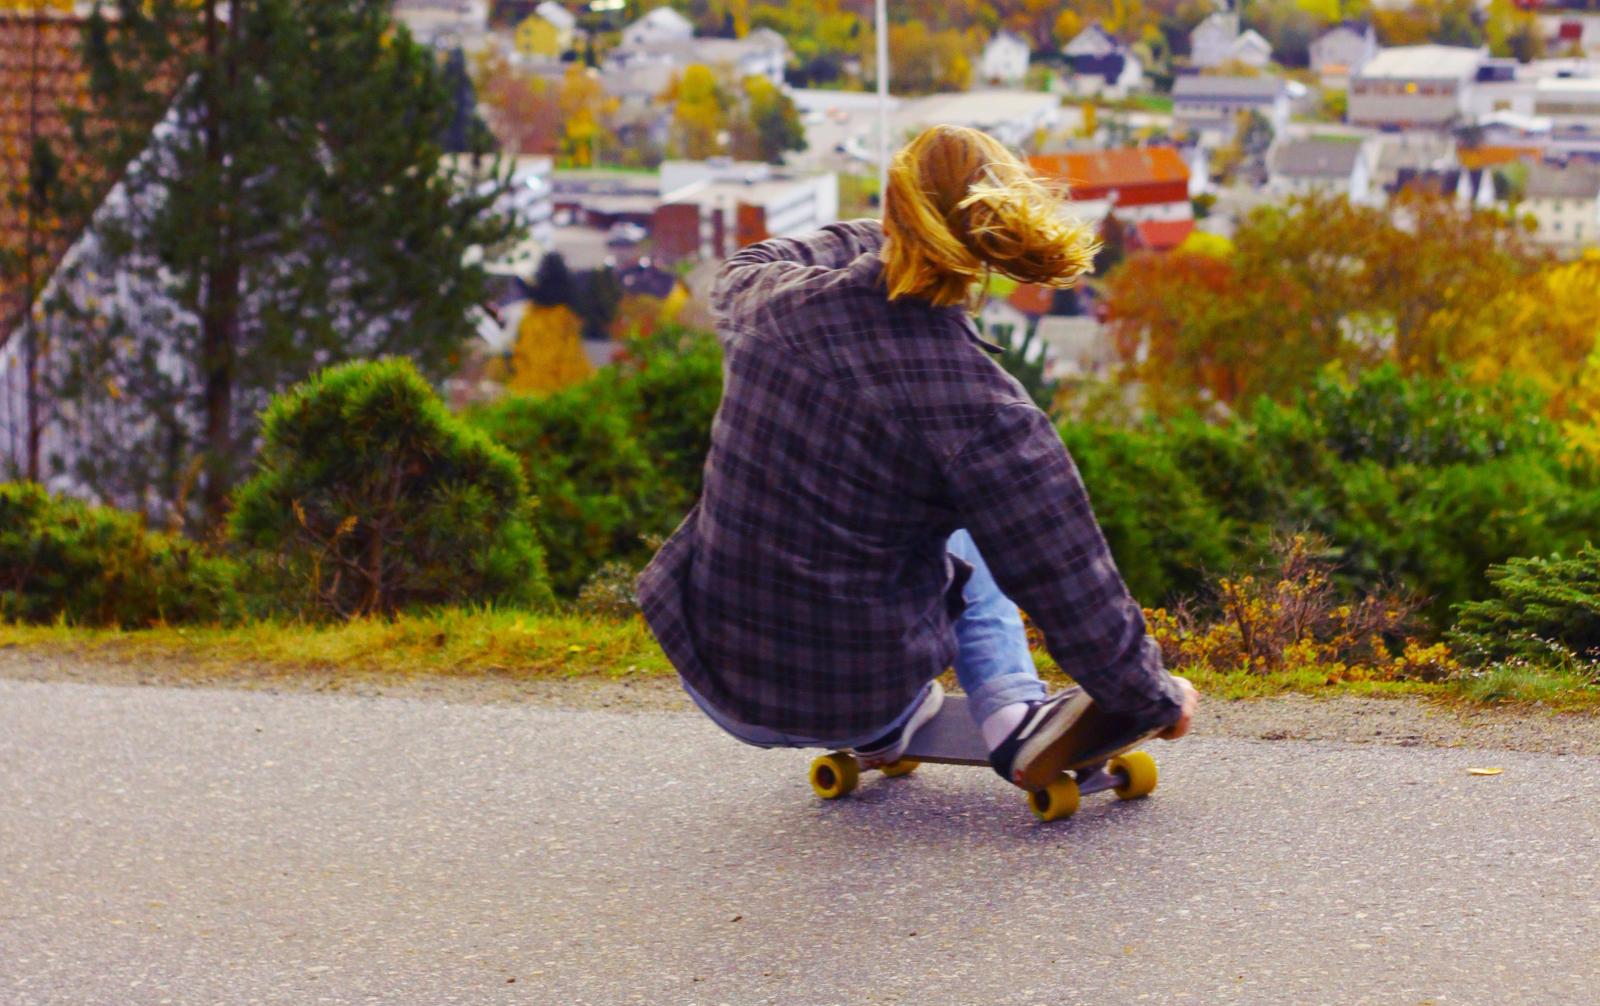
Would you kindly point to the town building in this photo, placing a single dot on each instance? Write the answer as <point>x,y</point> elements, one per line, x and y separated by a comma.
<point>1564,202</point>
<point>1209,106</point>
<point>1091,41</point>
<point>1297,167</point>
<point>1140,183</point>
<point>1415,86</point>
<point>1101,65</point>
<point>710,209</point>
<point>762,53</point>
<point>1010,116</point>
<point>445,24</point>
<point>1159,235</point>
<point>1004,59</point>
<point>1342,52</point>
<point>1217,41</point>
<point>1471,188</point>
<point>1114,76</point>
<point>662,24</point>
<point>547,31</point>
<point>1211,41</point>
<point>1417,151</point>
<point>561,19</point>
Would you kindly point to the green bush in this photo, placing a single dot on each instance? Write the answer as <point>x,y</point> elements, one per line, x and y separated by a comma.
<point>618,459</point>
<point>1416,482</point>
<point>1546,613</point>
<point>1390,419</point>
<point>598,491</point>
<point>669,387</point>
<point>371,498</point>
<point>92,565</point>
<point>1165,533</point>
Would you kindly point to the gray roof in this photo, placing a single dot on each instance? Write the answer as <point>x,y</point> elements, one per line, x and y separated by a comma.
<point>1201,87</point>
<point>1316,158</point>
<point>1575,181</point>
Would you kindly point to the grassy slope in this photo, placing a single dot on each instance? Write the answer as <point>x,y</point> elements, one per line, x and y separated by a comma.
<point>524,645</point>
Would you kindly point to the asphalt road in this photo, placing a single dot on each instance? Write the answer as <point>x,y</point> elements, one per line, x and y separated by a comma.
<point>195,846</point>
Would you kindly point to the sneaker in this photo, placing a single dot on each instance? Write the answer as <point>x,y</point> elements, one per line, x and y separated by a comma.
<point>889,748</point>
<point>1063,732</point>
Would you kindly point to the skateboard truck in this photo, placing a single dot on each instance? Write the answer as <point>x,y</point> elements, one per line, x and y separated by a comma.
<point>951,738</point>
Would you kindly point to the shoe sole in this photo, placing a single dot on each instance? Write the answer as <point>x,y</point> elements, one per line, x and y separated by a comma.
<point>1088,736</point>
<point>927,711</point>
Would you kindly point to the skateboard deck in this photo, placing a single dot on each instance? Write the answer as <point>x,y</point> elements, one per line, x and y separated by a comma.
<point>1105,761</point>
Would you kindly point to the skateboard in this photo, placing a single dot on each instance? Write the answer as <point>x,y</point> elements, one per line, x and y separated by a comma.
<point>1108,762</point>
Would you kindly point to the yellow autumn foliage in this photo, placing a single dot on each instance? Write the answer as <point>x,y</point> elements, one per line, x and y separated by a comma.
<point>1293,619</point>
<point>548,354</point>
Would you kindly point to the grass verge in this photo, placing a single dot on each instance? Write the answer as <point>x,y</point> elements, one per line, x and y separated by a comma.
<point>452,642</point>
<point>525,645</point>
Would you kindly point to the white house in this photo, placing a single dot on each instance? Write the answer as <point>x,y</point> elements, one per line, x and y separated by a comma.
<point>1251,49</point>
<point>1342,51</point>
<point>1217,40</point>
<point>1004,60</point>
<point>1211,41</point>
<point>660,25</point>
<point>1415,86</point>
<point>1211,105</point>
<point>1565,203</point>
<point>1334,167</point>
<point>1092,41</point>
<point>1113,76</point>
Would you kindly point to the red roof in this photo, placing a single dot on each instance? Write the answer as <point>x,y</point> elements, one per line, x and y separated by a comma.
<point>1473,158</point>
<point>1031,298</point>
<point>1162,235</point>
<point>1119,168</point>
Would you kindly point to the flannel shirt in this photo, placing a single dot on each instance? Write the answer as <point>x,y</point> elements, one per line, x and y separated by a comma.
<point>806,591</point>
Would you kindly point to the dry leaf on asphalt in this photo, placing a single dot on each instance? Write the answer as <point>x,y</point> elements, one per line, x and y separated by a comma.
<point>1484,771</point>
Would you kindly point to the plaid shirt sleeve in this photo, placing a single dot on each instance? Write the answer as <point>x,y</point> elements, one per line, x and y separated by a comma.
<point>780,262</point>
<point>1022,500</point>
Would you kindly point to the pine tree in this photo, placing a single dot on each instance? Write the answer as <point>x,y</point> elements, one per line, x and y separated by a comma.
<point>552,282</point>
<point>291,210</point>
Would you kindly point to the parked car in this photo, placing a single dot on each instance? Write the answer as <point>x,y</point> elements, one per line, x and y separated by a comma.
<point>625,233</point>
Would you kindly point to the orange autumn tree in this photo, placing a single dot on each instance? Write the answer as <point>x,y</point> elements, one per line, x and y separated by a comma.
<point>1312,282</point>
<point>548,354</point>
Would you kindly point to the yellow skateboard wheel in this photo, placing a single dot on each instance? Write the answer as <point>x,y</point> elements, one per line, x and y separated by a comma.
<point>904,766</point>
<point>1140,770</point>
<point>835,775</point>
<point>1057,800</point>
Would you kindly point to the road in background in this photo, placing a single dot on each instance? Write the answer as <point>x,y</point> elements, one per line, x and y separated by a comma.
<point>196,846</point>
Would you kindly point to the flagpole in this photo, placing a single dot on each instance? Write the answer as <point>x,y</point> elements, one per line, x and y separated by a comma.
<point>883,100</point>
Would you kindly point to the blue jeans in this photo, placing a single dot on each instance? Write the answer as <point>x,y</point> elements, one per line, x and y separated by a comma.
<point>993,664</point>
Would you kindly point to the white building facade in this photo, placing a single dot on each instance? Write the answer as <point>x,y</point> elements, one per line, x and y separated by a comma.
<point>1004,60</point>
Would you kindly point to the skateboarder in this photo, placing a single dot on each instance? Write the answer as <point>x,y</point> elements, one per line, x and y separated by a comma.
<point>878,491</point>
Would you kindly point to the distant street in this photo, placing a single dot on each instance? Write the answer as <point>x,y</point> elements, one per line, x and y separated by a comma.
<point>198,846</point>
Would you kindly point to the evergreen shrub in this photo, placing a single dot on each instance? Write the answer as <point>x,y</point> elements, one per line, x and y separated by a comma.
<point>370,498</point>
<point>61,558</point>
<point>597,489</point>
<point>1545,612</point>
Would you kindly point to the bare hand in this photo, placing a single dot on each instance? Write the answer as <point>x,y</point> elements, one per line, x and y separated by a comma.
<point>1191,698</point>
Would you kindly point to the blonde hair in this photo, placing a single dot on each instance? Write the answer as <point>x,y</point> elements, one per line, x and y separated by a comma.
<point>961,206</point>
